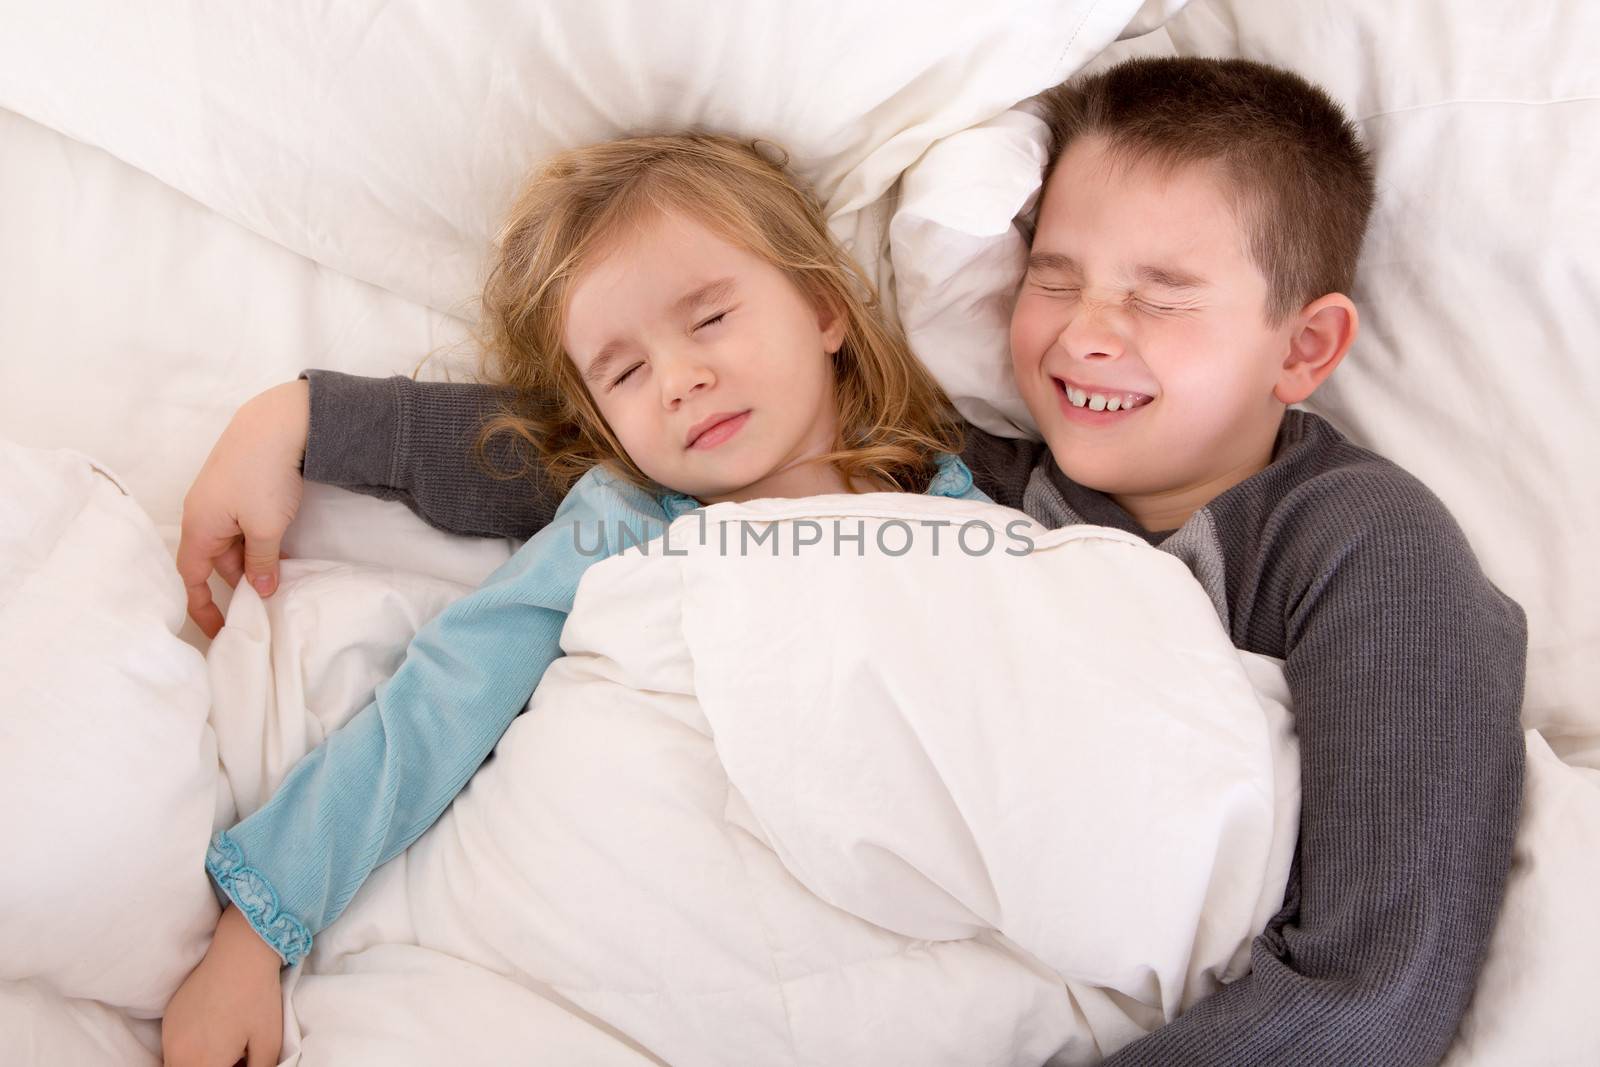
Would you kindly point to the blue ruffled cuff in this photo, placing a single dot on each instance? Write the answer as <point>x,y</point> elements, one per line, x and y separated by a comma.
<point>253,895</point>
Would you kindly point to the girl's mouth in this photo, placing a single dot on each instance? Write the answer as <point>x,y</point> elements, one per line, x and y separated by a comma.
<point>720,432</point>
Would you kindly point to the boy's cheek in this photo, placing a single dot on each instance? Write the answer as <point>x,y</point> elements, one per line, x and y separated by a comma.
<point>1030,333</point>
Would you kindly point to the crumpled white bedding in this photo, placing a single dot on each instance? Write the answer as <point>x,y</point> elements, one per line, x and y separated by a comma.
<point>642,837</point>
<point>872,827</point>
<point>108,769</point>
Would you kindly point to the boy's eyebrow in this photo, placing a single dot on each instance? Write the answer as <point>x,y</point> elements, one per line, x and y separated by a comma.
<point>1167,277</point>
<point>708,293</point>
<point>1053,261</point>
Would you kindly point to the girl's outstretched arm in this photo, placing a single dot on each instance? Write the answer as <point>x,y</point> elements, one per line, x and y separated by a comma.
<point>374,785</point>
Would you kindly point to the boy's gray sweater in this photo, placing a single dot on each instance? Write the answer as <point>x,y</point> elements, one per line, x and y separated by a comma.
<point>1405,666</point>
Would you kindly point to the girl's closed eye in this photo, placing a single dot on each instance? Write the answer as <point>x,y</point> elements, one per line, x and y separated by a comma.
<point>712,321</point>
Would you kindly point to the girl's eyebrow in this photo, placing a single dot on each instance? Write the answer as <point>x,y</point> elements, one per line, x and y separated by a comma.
<point>608,354</point>
<point>708,293</point>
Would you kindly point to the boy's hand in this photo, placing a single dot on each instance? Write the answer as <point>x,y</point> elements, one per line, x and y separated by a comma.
<point>230,1008</point>
<point>244,498</point>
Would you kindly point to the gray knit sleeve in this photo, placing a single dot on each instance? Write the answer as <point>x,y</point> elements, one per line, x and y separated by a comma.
<point>1000,465</point>
<point>399,439</point>
<point>1406,669</point>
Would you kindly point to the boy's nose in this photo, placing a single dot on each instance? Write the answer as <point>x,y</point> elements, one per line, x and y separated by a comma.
<point>1092,333</point>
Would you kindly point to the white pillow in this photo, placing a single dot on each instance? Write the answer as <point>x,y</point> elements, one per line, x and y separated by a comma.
<point>108,769</point>
<point>1472,369</point>
<point>385,143</point>
<point>192,314</point>
<point>958,248</point>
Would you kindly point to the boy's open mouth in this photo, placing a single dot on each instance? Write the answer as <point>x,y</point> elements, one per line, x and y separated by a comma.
<point>1081,399</point>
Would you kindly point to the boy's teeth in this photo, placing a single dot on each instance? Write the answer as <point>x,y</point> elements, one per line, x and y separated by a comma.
<point>1098,401</point>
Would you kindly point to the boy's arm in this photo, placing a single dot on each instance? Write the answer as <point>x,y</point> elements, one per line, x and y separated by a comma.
<point>1406,671</point>
<point>415,442</point>
<point>374,785</point>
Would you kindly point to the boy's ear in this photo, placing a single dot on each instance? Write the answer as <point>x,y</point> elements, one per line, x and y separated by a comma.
<point>831,321</point>
<point>1323,332</point>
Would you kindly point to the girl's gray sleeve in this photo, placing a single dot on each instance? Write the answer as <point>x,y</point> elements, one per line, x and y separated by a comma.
<point>415,442</point>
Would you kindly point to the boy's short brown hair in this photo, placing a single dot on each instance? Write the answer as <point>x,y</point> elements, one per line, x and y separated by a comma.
<point>1301,180</point>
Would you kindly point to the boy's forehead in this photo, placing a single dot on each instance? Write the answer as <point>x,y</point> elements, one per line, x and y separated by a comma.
<point>1170,211</point>
<point>1097,159</point>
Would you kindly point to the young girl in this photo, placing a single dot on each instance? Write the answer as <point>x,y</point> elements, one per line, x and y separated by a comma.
<point>674,327</point>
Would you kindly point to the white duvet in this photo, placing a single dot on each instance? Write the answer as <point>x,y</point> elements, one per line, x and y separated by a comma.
<point>824,809</point>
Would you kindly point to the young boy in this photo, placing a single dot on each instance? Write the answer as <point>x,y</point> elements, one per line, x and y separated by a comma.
<point>1200,223</point>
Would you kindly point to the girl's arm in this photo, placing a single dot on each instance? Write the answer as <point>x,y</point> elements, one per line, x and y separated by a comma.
<point>230,1007</point>
<point>373,786</point>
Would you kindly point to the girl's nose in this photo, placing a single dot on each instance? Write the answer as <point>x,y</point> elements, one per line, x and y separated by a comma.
<point>681,375</point>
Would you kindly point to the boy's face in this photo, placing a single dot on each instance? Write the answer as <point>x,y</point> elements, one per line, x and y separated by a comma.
<point>1139,288</point>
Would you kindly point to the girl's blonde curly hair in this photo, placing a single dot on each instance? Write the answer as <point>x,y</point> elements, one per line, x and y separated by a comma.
<point>893,417</point>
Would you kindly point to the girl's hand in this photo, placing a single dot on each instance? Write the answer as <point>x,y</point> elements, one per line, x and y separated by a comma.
<point>230,1008</point>
<point>243,499</point>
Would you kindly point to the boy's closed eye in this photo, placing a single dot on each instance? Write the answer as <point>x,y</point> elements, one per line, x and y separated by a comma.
<point>1132,300</point>
<point>1150,305</point>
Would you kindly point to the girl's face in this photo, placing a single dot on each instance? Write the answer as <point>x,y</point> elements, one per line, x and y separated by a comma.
<point>710,366</point>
